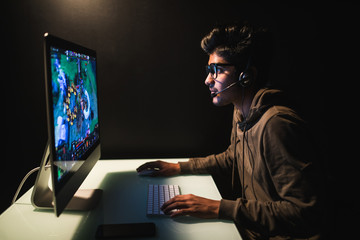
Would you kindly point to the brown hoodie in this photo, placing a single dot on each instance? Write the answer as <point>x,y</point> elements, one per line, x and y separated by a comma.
<point>280,182</point>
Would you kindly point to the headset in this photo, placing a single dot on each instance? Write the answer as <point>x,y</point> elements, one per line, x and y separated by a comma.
<point>246,77</point>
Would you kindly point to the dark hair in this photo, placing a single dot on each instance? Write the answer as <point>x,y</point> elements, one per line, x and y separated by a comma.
<point>241,44</point>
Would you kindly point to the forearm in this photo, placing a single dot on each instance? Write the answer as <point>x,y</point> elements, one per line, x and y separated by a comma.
<point>212,164</point>
<point>193,166</point>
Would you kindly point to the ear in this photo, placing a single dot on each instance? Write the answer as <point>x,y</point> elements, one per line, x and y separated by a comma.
<point>247,77</point>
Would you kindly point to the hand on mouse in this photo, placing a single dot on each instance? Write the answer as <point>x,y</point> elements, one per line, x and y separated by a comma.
<point>162,168</point>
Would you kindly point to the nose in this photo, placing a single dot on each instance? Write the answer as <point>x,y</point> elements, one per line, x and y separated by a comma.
<point>209,80</point>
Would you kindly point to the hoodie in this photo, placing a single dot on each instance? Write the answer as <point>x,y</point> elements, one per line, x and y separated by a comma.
<point>272,157</point>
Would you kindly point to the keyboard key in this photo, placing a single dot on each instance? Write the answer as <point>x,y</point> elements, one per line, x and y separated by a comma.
<point>158,195</point>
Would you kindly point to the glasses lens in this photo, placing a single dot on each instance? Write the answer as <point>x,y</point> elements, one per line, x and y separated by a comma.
<point>212,68</point>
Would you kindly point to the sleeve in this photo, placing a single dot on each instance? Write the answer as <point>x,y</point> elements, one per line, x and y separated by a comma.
<point>213,164</point>
<point>287,155</point>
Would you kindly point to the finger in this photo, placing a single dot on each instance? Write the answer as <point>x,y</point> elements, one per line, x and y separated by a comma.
<point>180,212</point>
<point>147,165</point>
<point>166,204</point>
<point>144,166</point>
<point>141,167</point>
<point>177,198</point>
<point>161,172</point>
<point>157,173</point>
<point>175,206</point>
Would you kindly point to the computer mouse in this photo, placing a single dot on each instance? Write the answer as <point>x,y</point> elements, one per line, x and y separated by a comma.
<point>147,172</point>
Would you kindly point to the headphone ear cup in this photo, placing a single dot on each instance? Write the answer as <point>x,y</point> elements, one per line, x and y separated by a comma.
<point>245,79</point>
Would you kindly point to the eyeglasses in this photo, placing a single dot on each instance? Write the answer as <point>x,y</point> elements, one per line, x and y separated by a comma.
<point>213,68</point>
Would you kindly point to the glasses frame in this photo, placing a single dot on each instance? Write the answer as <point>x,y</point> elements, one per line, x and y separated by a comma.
<point>213,68</point>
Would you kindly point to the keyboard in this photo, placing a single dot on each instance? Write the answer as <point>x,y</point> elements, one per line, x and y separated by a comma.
<point>157,196</point>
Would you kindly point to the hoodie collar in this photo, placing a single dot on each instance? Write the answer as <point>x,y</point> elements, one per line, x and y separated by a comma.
<point>262,101</point>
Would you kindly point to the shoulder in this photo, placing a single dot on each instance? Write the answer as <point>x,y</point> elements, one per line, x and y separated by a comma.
<point>286,138</point>
<point>278,118</point>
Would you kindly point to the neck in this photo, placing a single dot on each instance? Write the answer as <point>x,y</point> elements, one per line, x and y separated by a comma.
<point>243,103</point>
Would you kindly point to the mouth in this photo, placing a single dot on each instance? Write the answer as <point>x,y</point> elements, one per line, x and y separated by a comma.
<point>213,94</point>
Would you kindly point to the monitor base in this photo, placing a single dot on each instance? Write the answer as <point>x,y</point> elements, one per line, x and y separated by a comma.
<point>85,200</point>
<point>42,196</point>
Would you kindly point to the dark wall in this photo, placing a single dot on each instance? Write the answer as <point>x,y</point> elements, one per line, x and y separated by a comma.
<point>153,101</point>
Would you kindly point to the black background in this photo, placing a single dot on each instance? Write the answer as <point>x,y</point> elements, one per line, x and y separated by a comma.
<point>153,101</point>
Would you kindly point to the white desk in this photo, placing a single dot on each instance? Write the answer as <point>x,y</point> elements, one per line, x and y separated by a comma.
<point>123,201</point>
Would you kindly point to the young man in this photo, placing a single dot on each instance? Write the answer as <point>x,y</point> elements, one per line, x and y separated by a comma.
<point>269,161</point>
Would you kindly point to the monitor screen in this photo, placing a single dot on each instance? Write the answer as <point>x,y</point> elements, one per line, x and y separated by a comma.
<point>74,107</point>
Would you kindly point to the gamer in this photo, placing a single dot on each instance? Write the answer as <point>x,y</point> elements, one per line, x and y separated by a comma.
<point>269,165</point>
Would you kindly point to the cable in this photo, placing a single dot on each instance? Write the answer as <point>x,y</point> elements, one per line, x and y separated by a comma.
<point>24,180</point>
<point>251,157</point>
<point>243,143</point>
<point>235,162</point>
<point>243,161</point>
<point>234,159</point>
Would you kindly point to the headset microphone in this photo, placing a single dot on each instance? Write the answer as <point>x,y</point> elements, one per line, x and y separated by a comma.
<point>216,93</point>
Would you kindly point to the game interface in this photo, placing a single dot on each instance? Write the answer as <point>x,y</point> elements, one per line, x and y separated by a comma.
<point>74,98</point>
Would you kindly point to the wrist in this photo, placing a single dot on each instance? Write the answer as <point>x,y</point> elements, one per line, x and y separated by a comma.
<point>184,167</point>
<point>216,208</point>
<point>178,168</point>
<point>226,209</point>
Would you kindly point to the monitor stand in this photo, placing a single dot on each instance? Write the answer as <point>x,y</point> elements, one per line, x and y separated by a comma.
<point>42,196</point>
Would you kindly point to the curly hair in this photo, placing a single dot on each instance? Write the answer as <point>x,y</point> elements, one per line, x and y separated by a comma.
<point>241,45</point>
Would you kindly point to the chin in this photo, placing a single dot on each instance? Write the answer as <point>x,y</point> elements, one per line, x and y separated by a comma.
<point>219,102</point>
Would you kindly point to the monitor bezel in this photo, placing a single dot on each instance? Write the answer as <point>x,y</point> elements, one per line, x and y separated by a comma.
<point>65,189</point>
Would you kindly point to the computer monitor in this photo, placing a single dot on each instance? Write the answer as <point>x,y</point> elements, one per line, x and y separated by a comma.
<point>73,145</point>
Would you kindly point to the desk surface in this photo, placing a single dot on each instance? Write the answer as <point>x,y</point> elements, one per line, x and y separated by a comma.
<point>123,201</point>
